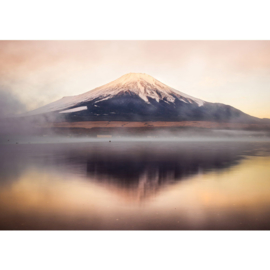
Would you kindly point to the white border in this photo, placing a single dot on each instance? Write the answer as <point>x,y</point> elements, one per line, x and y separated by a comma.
<point>129,20</point>
<point>133,20</point>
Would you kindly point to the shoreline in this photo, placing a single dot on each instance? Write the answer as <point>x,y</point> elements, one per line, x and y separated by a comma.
<point>150,125</point>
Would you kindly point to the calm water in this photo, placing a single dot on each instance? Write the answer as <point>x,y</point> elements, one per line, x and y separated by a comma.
<point>135,185</point>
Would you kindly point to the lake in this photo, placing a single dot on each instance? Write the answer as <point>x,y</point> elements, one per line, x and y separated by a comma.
<point>135,185</point>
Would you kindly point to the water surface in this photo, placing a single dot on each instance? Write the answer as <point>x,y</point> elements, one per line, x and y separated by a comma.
<point>135,185</point>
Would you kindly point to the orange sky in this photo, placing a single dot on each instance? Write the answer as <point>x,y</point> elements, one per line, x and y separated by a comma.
<point>229,72</point>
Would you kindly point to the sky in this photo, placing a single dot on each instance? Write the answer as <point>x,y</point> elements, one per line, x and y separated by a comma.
<point>35,73</point>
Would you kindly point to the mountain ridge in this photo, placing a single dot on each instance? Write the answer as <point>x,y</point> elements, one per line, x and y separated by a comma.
<point>140,97</point>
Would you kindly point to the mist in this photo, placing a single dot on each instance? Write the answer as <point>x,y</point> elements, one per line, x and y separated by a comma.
<point>10,104</point>
<point>27,132</point>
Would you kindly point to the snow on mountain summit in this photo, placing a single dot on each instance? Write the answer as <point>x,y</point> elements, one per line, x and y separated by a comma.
<point>140,84</point>
<point>145,86</point>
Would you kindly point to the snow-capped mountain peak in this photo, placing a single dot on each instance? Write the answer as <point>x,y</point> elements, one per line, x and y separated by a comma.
<point>139,97</point>
<point>134,77</point>
<point>143,85</point>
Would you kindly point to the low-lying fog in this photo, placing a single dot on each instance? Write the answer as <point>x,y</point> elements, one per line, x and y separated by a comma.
<point>25,132</point>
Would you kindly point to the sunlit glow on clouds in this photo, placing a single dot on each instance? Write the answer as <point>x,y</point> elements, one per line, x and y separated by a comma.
<point>230,72</point>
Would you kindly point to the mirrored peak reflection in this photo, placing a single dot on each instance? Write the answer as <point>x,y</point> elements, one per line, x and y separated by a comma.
<point>148,167</point>
<point>144,168</point>
<point>141,168</point>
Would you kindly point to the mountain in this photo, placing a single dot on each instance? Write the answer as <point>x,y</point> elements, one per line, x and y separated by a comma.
<point>140,97</point>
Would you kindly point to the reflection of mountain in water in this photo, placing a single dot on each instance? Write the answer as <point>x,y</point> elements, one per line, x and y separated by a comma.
<point>150,166</point>
<point>141,167</point>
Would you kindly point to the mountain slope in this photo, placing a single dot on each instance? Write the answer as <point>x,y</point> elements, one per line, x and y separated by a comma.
<point>140,97</point>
